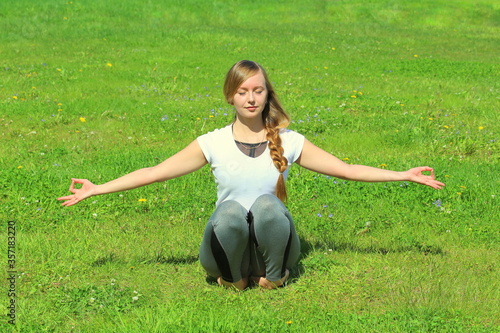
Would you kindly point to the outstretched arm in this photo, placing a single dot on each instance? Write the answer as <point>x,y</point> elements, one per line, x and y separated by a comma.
<point>318,160</point>
<point>186,161</point>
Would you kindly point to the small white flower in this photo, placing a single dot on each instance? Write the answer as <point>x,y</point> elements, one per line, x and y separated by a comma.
<point>135,298</point>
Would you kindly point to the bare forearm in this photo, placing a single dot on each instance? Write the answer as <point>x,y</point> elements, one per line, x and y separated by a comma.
<point>370,174</point>
<point>129,181</point>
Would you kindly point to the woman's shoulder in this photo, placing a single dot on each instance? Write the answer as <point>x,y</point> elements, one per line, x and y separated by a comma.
<point>291,139</point>
<point>218,132</point>
<point>287,133</point>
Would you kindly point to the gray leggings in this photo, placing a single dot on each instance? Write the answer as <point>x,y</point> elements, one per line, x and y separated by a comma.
<point>261,242</point>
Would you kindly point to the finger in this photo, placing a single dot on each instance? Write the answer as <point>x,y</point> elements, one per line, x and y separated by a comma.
<point>437,185</point>
<point>72,186</point>
<point>68,197</point>
<point>432,174</point>
<point>67,203</point>
<point>70,202</point>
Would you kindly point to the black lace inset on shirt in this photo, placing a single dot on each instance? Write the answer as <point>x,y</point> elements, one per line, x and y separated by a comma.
<point>252,149</point>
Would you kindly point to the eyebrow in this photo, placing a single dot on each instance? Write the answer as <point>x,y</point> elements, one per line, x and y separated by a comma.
<point>258,87</point>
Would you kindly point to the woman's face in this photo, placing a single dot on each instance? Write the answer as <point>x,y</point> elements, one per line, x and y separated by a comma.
<point>251,97</point>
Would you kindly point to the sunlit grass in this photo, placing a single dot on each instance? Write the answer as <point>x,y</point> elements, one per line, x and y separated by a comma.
<point>95,90</point>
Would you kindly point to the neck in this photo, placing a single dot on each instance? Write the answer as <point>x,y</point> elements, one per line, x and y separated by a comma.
<point>249,132</point>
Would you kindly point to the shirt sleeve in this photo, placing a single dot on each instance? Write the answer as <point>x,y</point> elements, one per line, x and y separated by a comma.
<point>293,143</point>
<point>204,142</point>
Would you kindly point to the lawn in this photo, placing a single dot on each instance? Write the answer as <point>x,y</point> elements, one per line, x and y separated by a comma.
<point>96,89</point>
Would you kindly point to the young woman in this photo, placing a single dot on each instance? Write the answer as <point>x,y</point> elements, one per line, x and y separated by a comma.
<point>251,233</point>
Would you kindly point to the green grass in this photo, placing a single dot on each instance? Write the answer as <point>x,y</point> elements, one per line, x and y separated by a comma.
<point>146,79</point>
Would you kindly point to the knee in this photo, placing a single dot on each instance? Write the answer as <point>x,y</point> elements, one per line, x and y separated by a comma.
<point>268,207</point>
<point>267,202</point>
<point>231,216</point>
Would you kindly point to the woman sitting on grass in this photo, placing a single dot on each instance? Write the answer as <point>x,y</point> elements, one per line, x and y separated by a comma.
<point>251,234</point>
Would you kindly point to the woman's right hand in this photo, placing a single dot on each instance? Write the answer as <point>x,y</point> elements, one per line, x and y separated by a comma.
<point>87,190</point>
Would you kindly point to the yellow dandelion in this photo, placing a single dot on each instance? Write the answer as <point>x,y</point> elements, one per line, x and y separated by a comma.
<point>360,93</point>
<point>77,131</point>
<point>83,119</point>
<point>383,165</point>
<point>402,104</point>
<point>142,200</point>
<point>481,128</point>
<point>198,118</point>
<point>20,167</point>
<point>109,64</point>
<point>415,55</point>
<point>446,126</point>
<point>345,159</point>
<point>431,118</point>
<point>463,187</point>
<point>59,104</point>
<point>354,96</point>
<point>459,193</point>
<point>447,176</point>
<point>14,97</point>
<point>289,322</point>
<point>333,48</point>
<point>211,116</point>
<point>58,69</point>
<point>59,110</point>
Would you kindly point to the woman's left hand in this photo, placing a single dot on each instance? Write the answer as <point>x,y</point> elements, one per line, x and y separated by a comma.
<point>416,175</point>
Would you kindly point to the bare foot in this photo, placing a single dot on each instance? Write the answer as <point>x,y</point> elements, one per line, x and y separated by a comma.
<point>238,285</point>
<point>266,284</point>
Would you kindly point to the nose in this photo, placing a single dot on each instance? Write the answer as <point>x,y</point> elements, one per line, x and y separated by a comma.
<point>251,97</point>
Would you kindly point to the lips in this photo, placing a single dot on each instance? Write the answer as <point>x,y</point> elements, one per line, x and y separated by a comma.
<point>251,108</point>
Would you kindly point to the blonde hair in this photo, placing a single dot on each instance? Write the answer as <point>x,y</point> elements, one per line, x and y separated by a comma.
<point>273,115</point>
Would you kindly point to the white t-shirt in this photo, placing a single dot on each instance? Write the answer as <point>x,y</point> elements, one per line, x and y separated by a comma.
<point>240,177</point>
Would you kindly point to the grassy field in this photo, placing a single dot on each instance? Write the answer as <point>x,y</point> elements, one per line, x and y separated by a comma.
<point>96,89</point>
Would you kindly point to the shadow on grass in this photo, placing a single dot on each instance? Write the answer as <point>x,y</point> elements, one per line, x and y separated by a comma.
<point>172,260</point>
<point>101,261</point>
<point>352,247</point>
<point>421,248</point>
<point>156,259</point>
